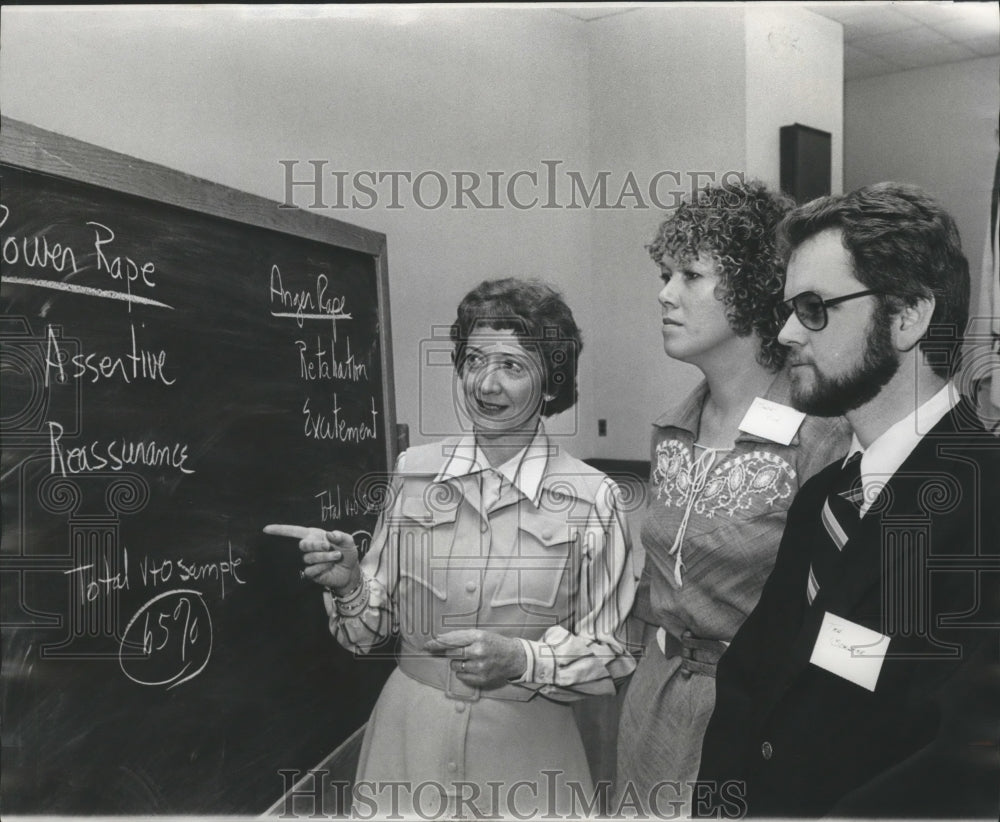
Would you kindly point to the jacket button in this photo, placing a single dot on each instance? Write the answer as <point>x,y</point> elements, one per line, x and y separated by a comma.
<point>766,750</point>
<point>546,534</point>
<point>471,587</point>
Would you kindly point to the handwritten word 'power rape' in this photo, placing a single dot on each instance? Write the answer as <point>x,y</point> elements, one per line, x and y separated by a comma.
<point>36,252</point>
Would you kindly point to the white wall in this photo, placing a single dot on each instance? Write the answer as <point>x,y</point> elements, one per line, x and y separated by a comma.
<point>794,75</point>
<point>688,90</point>
<point>668,93</point>
<point>934,127</point>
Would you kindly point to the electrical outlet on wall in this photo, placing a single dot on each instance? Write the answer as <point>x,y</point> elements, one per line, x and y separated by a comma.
<point>602,428</point>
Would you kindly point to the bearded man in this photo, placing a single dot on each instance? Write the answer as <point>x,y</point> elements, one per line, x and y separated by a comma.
<point>866,682</point>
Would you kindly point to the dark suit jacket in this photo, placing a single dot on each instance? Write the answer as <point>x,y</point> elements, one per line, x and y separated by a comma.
<point>923,569</point>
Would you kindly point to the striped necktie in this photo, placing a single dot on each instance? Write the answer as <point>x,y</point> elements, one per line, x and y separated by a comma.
<point>840,516</point>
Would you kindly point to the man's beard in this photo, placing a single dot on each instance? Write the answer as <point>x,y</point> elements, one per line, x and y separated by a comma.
<point>835,396</point>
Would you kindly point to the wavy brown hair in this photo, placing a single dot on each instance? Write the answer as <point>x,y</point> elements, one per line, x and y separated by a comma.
<point>539,318</point>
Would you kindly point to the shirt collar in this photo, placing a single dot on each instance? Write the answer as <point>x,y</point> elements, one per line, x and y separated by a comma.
<point>891,448</point>
<point>525,470</point>
<point>686,415</point>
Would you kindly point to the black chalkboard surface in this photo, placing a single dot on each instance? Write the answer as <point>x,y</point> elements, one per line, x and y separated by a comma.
<point>182,363</point>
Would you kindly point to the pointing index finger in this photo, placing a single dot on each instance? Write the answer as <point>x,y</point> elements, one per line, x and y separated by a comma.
<point>293,531</point>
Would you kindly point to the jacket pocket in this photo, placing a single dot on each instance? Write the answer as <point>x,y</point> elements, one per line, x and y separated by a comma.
<point>542,564</point>
<point>426,534</point>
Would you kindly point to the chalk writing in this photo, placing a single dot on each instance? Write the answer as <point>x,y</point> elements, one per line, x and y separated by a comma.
<point>333,506</point>
<point>98,580</point>
<point>320,426</point>
<point>119,268</point>
<point>363,540</point>
<point>115,455</point>
<point>37,252</point>
<point>155,573</point>
<point>93,584</point>
<point>307,304</point>
<point>168,641</point>
<point>321,363</point>
<point>138,364</point>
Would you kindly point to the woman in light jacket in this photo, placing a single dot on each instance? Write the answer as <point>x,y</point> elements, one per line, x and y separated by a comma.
<point>504,564</point>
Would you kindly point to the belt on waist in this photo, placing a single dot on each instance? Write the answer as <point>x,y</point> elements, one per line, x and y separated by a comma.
<point>698,656</point>
<point>437,672</point>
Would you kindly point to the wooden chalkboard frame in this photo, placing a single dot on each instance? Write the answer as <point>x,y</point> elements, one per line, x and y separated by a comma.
<point>32,149</point>
<point>35,149</point>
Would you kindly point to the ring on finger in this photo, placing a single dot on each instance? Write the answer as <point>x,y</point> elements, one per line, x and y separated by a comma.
<point>462,666</point>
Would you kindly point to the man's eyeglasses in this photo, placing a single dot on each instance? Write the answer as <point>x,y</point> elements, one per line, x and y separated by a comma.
<point>810,307</point>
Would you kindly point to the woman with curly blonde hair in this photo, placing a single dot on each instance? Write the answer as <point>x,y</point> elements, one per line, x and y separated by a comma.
<point>726,463</point>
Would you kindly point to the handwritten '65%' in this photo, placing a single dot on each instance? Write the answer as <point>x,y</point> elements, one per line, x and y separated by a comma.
<point>168,641</point>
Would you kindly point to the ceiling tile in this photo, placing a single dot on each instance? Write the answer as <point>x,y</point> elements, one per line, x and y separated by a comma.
<point>934,14</point>
<point>984,47</point>
<point>900,42</point>
<point>877,20</point>
<point>969,29</point>
<point>859,71</point>
<point>838,11</point>
<point>941,53</point>
<point>595,12</point>
<point>859,64</point>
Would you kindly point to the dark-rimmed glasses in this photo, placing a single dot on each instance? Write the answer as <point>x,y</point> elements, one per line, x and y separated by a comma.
<point>810,307</point>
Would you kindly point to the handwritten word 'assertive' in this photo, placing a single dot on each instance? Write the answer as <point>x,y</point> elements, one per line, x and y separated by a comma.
<point>137,364</point>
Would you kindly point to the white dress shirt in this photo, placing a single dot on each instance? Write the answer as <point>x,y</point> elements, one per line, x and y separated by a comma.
<point>889,451</point>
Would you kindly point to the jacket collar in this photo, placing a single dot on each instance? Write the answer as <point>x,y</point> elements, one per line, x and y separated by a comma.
<point>526,470</point>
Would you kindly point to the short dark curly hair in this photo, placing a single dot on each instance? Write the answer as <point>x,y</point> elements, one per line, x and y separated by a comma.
<point>542,322</point>
<point>734,225</point>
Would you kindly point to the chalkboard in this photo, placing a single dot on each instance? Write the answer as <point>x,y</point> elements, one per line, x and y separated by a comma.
<point>182,363</point>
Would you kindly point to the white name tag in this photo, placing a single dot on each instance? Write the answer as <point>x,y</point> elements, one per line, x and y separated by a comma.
<point>850,650</point>
<point>771,420</point>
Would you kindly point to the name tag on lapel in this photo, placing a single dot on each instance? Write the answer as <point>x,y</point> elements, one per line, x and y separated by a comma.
<point>771,421</point>
<point>849,650</point>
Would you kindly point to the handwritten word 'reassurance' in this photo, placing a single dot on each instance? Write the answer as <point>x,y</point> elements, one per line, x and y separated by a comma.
<point>114,455</point>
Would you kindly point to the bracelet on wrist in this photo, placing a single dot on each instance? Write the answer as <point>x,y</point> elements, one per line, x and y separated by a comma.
<point>354,602</point>
<point>350,594</point>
